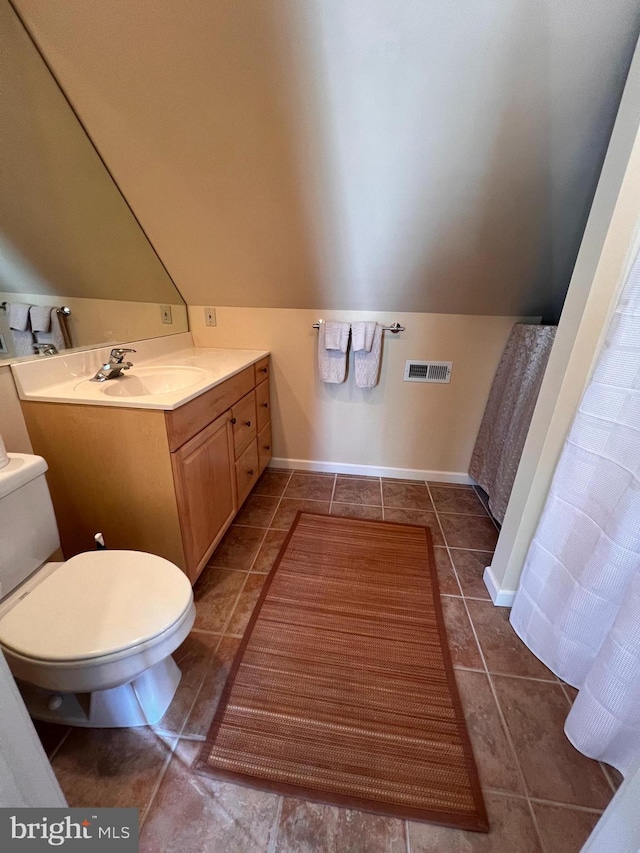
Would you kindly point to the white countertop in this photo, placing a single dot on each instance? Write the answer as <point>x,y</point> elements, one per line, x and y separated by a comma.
<point>65,378</point>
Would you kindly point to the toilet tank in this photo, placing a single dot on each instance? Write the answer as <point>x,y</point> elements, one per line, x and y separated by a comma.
<point>28,529</point>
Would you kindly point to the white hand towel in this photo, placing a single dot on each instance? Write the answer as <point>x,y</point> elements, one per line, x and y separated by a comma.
<point>18,316</point>
<point>40,316</point>
<point>332,363</point>
<point>22,343</point>
<point>336,335</point>
<point>362,333</point>
<point>56,334</point>
<point>367,364</point>
<point>19,328</point>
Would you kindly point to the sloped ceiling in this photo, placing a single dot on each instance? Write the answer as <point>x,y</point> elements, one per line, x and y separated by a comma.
<point>406,155</point>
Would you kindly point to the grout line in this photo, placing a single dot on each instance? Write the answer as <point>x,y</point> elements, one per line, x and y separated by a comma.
<point>382,504</point>
<point>503,721</point>
<point>273,834</point>
<point>510,675</point>
<point>516,795</point>
<point>163,772</point>
<point>612,784</point>
<point>333,491</point>
<point>407,837</point>
<point>249,571</point>
<point>55,751</point>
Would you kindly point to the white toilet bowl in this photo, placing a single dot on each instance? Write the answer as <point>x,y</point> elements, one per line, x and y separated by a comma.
<point>90,640</point>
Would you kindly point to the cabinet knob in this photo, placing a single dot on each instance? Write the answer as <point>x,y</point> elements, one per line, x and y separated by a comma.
<point>233,420</point>
<point>267,447</point>
<point>264,405</point>
<point>247,423</point>
<point>263,369</point>
<point>250,472</point>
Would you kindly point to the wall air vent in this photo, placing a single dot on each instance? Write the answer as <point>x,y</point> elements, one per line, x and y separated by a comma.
<point>428,371</point>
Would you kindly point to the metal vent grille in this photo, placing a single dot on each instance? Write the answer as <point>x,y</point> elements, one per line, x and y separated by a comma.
<point>428,371</point>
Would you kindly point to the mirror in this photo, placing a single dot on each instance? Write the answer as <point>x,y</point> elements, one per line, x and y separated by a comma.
<point>67,236</point>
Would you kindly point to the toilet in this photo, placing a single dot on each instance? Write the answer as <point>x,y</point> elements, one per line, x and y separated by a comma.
<point>88,640</point>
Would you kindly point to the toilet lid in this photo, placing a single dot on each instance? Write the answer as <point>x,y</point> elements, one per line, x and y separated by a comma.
<point>95,604</point>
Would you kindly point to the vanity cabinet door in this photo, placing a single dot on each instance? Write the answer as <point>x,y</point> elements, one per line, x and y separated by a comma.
<point>204,474</point>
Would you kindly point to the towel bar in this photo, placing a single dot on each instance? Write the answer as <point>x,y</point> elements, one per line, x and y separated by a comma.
<point>394,327</point>
<point>62,310</point>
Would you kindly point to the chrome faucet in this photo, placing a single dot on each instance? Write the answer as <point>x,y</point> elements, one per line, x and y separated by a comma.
<point>45,349</point>
<point>114,367</point>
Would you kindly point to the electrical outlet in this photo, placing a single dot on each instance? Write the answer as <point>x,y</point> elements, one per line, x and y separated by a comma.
<point>210,317</point>
<point>165,313</point>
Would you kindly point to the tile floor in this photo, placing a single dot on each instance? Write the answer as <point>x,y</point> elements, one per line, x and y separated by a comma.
<point>542,796</point>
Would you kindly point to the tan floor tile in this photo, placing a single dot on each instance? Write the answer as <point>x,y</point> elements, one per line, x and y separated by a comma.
<point>563,829</point>
<point>494,756</point>
<point>214,680</point>
<point>194,657</point>
<point>193,813</point>
<point>238,548</point>
<point>306,827</point>
<point>351,490</point>
<point>470,566</point>
<point>272,483</point>
<point>246,603</point>
<point>535,712</point>
<point>511,831</point>
<point>448,499</point>
<point>462,643</point>
<point>215,596</point>
<point>110,767</point>
<point>269,550</point>
<point>317,487</point>
<point>257,511</point>
<point>373,513</point>
<point>469,531</point>
<point>446,576</point>
<point>503,650</point>
<point>417,516</point>
<point>406,495</point>
<point>288,509</point>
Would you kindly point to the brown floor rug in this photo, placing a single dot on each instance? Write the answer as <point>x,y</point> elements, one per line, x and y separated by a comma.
<point>342,690</point>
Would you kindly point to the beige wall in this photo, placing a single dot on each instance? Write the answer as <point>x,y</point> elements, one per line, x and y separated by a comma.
<point>12,426</point>
<point>405,426</point>
<point>611,241</point>
<point>374,155</point>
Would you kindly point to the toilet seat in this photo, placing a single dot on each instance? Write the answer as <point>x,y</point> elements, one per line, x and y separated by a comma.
<point>97,605</point>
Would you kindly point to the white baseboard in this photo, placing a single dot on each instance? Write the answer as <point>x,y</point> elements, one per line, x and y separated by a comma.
<point>500,597</point>
<point>372,471</point>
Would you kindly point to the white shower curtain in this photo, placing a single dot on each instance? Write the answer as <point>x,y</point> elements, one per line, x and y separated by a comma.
<point>578,605</point>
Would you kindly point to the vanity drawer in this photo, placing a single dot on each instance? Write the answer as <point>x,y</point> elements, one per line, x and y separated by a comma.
<point>243,418</point>
<point>263,409</point>
<point>262,370</point>
<point>264,447</point>
<point>247,471</point>
<point>188,420</point>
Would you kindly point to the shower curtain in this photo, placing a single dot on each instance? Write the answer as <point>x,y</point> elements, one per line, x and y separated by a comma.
<point>578,605</point>
<point>508,413</point>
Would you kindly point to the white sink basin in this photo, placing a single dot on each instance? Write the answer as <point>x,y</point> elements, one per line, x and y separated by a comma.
<point>144,381</point>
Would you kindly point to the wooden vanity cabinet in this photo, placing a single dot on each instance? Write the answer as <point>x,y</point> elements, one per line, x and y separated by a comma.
<point>263,413</point>
<point>167,482</point>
